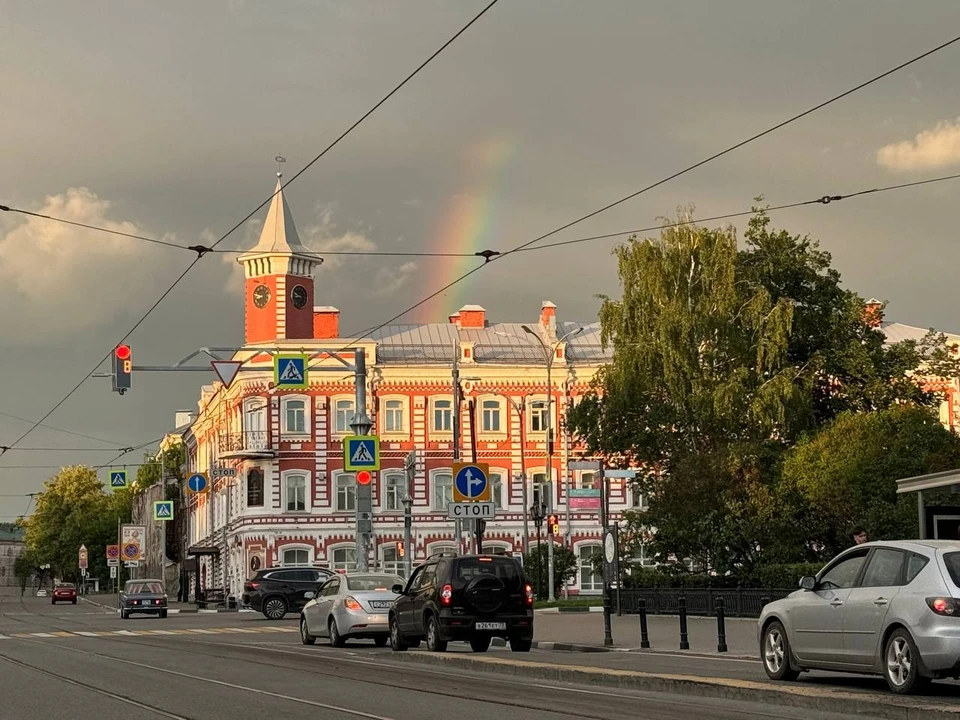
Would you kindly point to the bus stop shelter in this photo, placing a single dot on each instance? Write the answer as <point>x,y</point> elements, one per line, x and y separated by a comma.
<point>936,522</point>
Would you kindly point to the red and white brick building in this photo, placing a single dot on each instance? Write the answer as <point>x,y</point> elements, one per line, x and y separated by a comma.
<point>291,503</point>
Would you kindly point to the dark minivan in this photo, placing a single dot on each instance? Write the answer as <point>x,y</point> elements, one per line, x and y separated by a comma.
<point>277,591</point>
<point>471,598</point>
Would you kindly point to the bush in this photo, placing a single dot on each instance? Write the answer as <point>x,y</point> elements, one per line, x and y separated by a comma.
<point>769,576</point>
<point>786,576</point>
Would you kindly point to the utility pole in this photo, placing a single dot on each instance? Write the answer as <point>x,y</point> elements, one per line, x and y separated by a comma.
<point>568,534</point>
<point>519,407</point>
<point>410,465</point>
<point>361,425</point>
<point>458,530</point>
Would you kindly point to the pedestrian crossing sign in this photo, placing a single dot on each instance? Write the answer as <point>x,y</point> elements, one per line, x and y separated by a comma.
<point>361,452</point>
<point>163,510</point>
<point>118,478</point>
<point>290,371</point>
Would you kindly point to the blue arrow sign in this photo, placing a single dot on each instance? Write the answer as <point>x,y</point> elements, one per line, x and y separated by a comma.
<point>118,478</point>
<point>470,483</point>
<point>197,483</point>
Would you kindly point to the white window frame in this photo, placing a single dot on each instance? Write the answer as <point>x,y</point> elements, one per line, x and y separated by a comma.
<point>532,474</point>
<point>498,544</point>
<point>581,474</point>
<point>597,580</point>
<point>391,566</point>
<point>385,476</point>
<point>335,414</point>
<point>504,487</point>
<point>404,414</point>
<point>336,491</point>
<point>434,474</point>
<point>292,547</point>
<point>541,413</point>
<point>285,477</point>
<point>332,554</point>
<point>284,426</point>
<point>638,498</point>
<point>504,419</point>
<point>441,546</point>
<point>434,429</point>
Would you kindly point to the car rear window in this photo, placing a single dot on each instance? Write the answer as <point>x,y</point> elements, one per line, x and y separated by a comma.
<point>140,588</point>
<point>65,586</point>
<point>952,561</point>
<point>372,582</point>
<point>504,568</point>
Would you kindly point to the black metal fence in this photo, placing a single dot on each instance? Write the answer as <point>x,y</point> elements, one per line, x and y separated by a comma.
<point>738,602</point>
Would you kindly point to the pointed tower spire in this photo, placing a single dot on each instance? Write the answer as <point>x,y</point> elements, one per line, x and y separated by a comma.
<point>279,234</point>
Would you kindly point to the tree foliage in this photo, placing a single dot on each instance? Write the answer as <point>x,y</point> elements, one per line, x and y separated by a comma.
<point>536,564</point>
<point>723,359</point>
<point>74,509</point>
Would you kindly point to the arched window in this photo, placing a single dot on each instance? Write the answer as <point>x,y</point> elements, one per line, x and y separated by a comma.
<point>296,416</point>
<point>442,483</point>
<point>343,557</point>
<point>491,420</point>
<point>442,415</point>
<point>537,413</point>
<point>394,411</point>
<point>254,487</point>
<point>390,559</point>
<point>590,581</point>
<point>295,492</point>
<point>346,486</point>
<point>296,556</point>
<point>344,409</point>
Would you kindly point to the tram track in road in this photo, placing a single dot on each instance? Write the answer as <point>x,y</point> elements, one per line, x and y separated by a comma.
<point>579,703</point>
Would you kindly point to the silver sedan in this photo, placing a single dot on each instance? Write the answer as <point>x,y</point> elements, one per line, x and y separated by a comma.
<point>351,605</point>
<point>885,608</point>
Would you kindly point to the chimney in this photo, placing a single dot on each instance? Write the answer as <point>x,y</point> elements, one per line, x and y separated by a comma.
<point>455,319</point>
<point>183,418</point>
<point>873,312</point>
<point>548,319</point>
<point>326,322</point>
<point>473,316</point>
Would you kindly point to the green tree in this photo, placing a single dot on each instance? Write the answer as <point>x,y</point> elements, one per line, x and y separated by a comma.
<point>536,564</point>
<point>73,510</point>
<point>846,474</point>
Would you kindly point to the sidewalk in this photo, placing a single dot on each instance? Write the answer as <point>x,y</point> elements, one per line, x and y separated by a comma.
<point>586,629</point>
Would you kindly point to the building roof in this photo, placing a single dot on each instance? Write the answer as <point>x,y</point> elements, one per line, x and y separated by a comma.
<point>898,332</point>
<point>499,343</point>
<point>279,234</point>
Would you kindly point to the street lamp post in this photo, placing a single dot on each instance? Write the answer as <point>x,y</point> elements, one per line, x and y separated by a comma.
<point>523,469</point>
<point>538,512</point>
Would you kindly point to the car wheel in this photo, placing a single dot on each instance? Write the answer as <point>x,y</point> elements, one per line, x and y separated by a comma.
<point>53,602</point>
<point>124,615</point>
<point>775,653</point>
<point>480,643</point>
<point>336,640</point>
<point>275,608</point>
<point>163,614</point>
<point>74,602</point>
<point>901,666</point>
<point>518,644</point>
<point>305,637</point>
<point>381,640</point>
<point>396,639</point>
<point>434,643</point>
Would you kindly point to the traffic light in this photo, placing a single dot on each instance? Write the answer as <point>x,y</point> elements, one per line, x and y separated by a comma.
<point>553,525</point>
<point>122,368</point>
<point>363,477</point>
<point>401,549</point>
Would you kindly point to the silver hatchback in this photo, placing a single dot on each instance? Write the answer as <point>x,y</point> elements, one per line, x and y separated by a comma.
<point>887,608</point>
<point>350,605</point>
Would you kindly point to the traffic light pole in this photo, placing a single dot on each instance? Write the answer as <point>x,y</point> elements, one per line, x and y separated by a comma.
<point>361,425</point>
<point>550,581</point>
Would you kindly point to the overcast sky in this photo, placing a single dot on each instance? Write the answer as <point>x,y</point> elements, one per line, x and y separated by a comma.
<point>165,120</point>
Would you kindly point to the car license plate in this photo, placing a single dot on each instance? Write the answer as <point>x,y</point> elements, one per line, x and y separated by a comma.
<point>381,604</point>
<point>491,626</point>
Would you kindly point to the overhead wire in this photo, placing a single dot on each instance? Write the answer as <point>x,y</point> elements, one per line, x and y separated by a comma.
<point>61,430</point>
<point>203,250</point>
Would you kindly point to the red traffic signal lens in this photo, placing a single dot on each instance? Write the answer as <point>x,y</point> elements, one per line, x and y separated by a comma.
<point>363,477</point>
<point>123,352</point>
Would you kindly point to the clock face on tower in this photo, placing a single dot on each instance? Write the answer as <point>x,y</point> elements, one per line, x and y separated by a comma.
<point>299,296</point>
<point>261,296</point>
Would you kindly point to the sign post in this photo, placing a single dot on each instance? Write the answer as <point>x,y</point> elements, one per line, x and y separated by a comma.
<point>83,561</point>
<point>131,544</point>
<point>410,467</point>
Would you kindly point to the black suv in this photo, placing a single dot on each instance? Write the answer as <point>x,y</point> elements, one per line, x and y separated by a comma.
<point>277,591</point>
<point>468,597</point>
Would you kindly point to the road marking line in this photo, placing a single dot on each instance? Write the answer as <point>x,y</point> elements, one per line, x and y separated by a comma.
<point>86,634</point>
<point>200,631</point>
<point>44,635</point>
<point>241,630</point>
<point>63,634</point>
<point>4,637</point>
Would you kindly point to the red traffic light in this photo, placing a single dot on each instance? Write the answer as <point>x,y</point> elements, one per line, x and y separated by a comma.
<point>363,477</point>
<point>123,352</point>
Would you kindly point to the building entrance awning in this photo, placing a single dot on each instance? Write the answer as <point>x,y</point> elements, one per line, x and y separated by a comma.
<point>198,550</point>
<point>931,481</point>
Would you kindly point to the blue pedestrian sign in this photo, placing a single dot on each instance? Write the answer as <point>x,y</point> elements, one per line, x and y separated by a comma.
<point>163,510</point>
<point>470,482</point>
<point>118,478</point>
<point>290,371</point>
<point>198,483</point>
<point>361,452</point>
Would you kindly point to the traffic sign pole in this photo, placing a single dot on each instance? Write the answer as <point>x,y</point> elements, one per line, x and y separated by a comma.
<point>361,425</point>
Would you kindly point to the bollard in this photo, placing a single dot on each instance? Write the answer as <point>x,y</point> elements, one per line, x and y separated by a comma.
<point>684,643</point>
<point>721,627</point>
<point>644,637</point>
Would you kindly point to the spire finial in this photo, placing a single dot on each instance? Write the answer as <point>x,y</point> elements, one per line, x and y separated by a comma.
<point>280,160</point>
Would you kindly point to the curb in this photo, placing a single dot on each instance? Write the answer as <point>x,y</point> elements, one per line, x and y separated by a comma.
<point>584,609</point>
<point>797,695</point>
<point>564,647</point>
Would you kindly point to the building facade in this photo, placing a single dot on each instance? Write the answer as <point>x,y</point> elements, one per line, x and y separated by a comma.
<point>292,503</point>
<point>11,545</point>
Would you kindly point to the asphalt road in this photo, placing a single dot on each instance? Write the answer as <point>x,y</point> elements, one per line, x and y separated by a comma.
<point>239,665</point>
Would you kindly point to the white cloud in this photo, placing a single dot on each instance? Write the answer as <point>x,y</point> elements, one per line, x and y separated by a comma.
<point>929,150</point>
<point>389,280</point>
<point>62,279</point>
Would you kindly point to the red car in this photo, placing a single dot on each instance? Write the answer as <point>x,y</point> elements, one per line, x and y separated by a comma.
<point>64,592</point>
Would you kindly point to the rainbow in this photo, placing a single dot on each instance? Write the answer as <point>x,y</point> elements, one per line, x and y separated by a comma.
<point>468,225</point>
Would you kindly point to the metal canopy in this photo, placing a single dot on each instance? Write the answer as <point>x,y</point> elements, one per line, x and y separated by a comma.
<point>931,481</point>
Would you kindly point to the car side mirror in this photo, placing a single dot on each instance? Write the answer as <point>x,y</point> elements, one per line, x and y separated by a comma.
<point>310,595</point>
<point>808,583</point>
<point>397,589</point>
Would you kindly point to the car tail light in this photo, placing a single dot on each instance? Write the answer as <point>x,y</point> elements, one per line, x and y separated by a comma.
<point>156,602</point>
<point>528,594</point>
<point>944,606</point>
<point>251,585</point>
<point>446,594</point>
<point>352,603</point>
